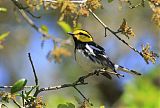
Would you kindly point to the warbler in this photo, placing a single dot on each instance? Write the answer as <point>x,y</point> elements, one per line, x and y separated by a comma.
<point>91,56</point>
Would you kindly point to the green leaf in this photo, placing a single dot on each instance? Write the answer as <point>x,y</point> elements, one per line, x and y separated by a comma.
<point>3,9</point>
<point>70,105</point>
<point>18,85</point>
<point>65,26</point>
<point>102,106</point>
<point>109,1</point>
<point>44,28</point>
<point>4,35</point>
<point>62,106</point>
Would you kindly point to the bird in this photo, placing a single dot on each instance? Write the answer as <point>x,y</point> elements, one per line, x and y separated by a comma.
<point>91,56</point>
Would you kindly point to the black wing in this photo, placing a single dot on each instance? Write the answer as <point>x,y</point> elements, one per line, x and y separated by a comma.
<point>97,48</point>
<point>100,56</point>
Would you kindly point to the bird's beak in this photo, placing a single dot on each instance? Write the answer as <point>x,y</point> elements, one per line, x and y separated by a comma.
<point>70,33</point>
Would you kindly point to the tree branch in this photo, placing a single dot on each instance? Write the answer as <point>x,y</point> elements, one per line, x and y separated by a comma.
<point>60,87</point>
<point>113,32</point>
<point>78,82</point>
<point>6,87</point>
<point>38,29</point>
<point>14,101</point>
<point>34,71</point>
<point>82,95</point>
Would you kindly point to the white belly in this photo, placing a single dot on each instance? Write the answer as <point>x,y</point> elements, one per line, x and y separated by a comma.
<point>85,63</point>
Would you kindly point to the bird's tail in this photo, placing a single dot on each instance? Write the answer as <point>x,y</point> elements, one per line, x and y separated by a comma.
<point>121,68</point>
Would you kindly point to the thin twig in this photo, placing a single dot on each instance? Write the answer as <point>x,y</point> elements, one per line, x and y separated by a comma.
<point>35,76</point>
<point>82,95</point>
<point>20,6</point>
<point>23,98</point>
<point>6,87</point>
<point>34,71</point>
<point>14,101</point>
<point>101,22</point>
<point>82,78</point>
<point>96,72</point>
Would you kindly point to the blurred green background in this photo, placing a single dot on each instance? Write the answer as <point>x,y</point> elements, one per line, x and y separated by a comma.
<point>128,92</point>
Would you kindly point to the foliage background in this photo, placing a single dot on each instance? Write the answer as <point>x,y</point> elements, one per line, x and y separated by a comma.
<point>127,92</point>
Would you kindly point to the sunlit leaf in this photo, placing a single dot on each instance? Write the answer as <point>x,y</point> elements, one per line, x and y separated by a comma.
<point>102,106</point>
<point>149,55</point>
<point>5,97</point>
<point>84,11</point>
<point>126,30</point>
<point>62,106</point>
<point>39,102</point>
<point>4,35</point>
<point>3,9</point>
<point>135,93</point>
<point>57,54</point>
<point>44,28</point>
<point>2,38</point>
<point>18,85</point>
<point>65,26</point>
<point>70,105</point>
<point>94,4</point>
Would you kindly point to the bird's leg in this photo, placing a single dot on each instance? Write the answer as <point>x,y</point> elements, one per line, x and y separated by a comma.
<point>97,71</point>
<point>82,78</point>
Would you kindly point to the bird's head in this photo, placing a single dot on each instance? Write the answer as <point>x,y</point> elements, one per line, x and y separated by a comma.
<point>81,35</point>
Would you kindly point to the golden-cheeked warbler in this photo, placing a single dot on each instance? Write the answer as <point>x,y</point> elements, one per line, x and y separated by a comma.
<point>91,56</point>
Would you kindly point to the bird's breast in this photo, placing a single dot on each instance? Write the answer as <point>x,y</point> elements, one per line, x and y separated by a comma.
<point>85,62</point>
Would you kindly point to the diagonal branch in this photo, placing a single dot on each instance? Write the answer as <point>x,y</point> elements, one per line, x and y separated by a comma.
<point>38,29</point>
<point>20,6</point>
<point>18,105</point>
<point>30,22</point>
<point>113,32</point>
<point>82,95</point>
